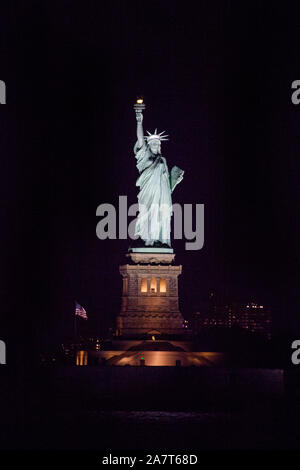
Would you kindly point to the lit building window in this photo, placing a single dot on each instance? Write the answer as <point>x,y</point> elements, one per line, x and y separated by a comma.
<point>144,285</point>
<point>163,285</point>
<point>153,285</point>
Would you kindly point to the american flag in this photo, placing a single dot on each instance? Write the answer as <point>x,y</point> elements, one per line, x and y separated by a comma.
<point>80,311</point>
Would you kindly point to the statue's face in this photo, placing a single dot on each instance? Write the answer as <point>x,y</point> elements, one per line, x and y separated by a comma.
<point>154,145</point>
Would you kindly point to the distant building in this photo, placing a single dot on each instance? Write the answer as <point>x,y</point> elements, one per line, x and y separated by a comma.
<point>216,313</point>
<point>251,316</point>
<point>212,313</point>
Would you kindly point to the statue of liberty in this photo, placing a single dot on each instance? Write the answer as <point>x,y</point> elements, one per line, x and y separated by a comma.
<point>156,186</point>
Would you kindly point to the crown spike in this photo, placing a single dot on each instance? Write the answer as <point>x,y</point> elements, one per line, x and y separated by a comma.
<point>160,136</point>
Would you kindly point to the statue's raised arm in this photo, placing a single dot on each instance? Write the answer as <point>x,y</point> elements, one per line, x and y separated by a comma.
<point>139,129</point>
<point>139,107</point>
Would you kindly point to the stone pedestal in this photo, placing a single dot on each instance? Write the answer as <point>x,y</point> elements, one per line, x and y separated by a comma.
<point>150,294</point>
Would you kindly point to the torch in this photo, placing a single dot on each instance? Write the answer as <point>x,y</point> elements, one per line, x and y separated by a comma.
<point>139,106</point>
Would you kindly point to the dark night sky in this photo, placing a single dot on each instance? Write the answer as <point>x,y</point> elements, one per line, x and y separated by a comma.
<point>217,79</point>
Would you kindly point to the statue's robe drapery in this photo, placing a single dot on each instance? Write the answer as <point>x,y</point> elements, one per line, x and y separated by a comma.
<point>155,202</point>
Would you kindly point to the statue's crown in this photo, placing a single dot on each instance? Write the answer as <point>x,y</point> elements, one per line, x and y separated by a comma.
<point>156,136</point>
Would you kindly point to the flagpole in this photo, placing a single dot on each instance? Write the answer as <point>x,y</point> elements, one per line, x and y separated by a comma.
<point>75,326</point>
<point>80,312</point>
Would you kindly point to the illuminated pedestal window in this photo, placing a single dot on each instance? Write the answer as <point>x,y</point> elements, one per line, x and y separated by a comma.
<point>81,358</point>
<point>163,286</point>
<point>153,285</point>
<point>144,285</point>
